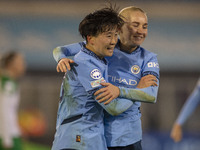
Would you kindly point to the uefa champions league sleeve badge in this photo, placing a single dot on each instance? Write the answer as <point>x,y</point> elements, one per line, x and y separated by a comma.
<point>96,74</point>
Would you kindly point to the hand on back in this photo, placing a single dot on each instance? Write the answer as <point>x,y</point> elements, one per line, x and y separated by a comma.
<point>64,65</point>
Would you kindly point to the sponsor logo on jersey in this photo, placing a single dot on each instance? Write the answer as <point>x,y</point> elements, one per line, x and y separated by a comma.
<point>122,80</point>
<point>135,69</point>
<point>95,74</point>
<point>153,64</point>
<point>97,82</point>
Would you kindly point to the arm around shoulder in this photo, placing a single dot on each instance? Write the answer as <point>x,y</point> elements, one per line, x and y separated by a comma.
<point>67,50</point>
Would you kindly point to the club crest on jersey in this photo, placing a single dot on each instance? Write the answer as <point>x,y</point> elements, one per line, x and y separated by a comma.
<point>135,69</point>
<point>95,74</point>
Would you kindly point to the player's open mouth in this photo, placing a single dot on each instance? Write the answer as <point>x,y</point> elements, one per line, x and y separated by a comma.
<point>138,37</point>
<point>110,48</point>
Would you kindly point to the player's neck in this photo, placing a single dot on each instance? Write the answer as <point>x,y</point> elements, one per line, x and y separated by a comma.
<point>127,48</point>
<point>91,48</point>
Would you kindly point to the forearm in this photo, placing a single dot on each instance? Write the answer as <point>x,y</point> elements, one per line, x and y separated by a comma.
<point>117,106</point>
<point>148,94</point>
<point>58,54</point>
<point>66,50</point>
<point>189,107</point>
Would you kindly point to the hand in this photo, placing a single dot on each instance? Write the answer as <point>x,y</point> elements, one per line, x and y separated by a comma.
<point>147,81</point>
<point>64,65</point>
<point>108,93</point>
<point>176,133</point>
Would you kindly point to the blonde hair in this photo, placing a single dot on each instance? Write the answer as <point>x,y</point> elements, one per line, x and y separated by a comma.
<point>125,11</point>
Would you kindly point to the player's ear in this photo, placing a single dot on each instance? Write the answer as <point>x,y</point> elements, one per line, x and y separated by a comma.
<point>90,39</point>
<point>119,30</point>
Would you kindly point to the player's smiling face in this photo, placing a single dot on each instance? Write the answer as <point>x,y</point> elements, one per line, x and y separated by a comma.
<point>134,30</point>
<point>104,44</point>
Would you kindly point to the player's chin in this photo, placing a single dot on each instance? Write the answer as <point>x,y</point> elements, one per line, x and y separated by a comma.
<point>138,42</point>
<point>109,53</point>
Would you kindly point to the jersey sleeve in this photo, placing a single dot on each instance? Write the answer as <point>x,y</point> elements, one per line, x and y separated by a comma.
<point>151,67</point>
<point>67,50</point>
<point>148,94</point>
<point>190,105</point>
<point>91,78</point>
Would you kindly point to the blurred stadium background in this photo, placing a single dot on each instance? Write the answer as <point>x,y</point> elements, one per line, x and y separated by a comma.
<point>36,27</point>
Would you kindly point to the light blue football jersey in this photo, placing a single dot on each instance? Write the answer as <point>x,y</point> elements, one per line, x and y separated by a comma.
<point>124,70</point>
<point>80,117</point>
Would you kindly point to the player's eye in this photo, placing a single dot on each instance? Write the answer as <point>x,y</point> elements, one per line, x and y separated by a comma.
<point>135,25</point>
<point>145,26</point>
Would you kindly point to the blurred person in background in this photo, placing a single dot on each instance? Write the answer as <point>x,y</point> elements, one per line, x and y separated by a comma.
<point>12,69</point>
<point>188,108</point>
<point>130,66</point>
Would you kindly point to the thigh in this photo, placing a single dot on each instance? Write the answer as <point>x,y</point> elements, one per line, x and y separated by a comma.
<point>135,146</point>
